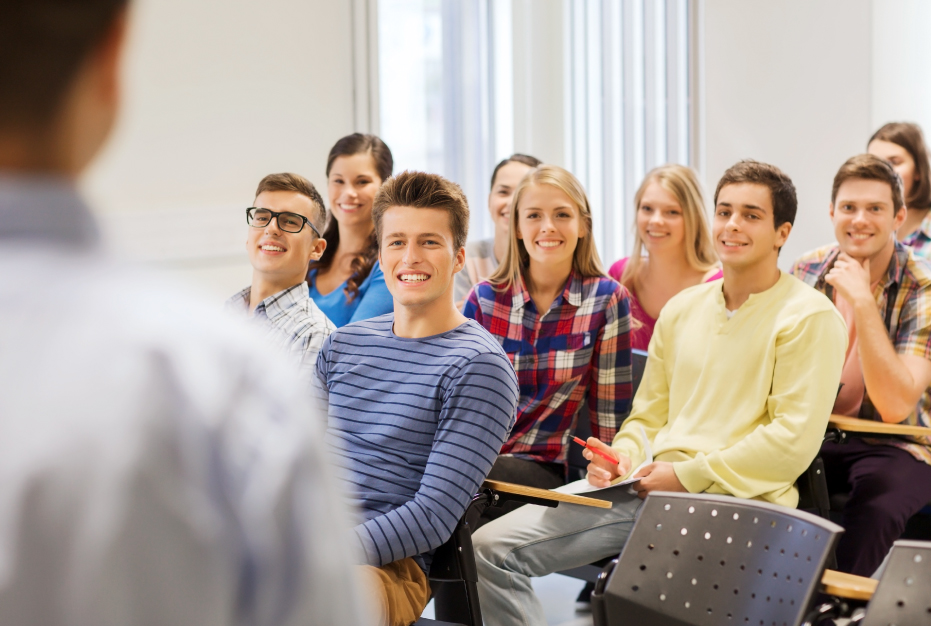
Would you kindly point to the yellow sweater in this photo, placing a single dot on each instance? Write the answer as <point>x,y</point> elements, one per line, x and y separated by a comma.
<point>739,406</point>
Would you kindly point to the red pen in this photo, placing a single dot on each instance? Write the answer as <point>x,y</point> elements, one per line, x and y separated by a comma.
<point>595,450</point>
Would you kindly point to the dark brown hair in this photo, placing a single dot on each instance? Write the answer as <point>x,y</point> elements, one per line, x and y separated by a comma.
<point>43,44</point>
<point>424,191</point>
<point>526,159</point>
<point>298,184</point>
<point>781,189</point>
<point>910,137</point>
<point>356,143</point>
<point>870,167</point>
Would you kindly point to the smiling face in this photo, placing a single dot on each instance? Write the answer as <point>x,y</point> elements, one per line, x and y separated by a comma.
<point>502,191</point>
<point>549,224</point>
<point>351,186</point>
<point>901,160</point>
<point>744,233</point>
<point>279,256</point>
<point>864,218</point>
<point>418,255</point>
<point>660,222</point>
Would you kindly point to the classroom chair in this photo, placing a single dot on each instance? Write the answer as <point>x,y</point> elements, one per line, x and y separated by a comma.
<point>709,560</point>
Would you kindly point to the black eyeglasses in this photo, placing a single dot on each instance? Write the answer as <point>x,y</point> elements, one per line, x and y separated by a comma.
<point>288,222</point>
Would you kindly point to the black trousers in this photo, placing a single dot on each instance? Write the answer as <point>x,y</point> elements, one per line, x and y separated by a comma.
<point>887,486</point>
<point>510,469</point>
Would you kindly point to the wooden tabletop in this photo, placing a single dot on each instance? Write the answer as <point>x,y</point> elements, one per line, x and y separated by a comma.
<point>546,494</point>
<point>856,425</point>
<point>847,585</point>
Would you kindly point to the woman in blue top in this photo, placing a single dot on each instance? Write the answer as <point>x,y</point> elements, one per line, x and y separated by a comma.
<point>347,283</point>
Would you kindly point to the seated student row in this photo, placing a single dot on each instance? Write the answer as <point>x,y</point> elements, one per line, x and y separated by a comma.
<point>663,474</point>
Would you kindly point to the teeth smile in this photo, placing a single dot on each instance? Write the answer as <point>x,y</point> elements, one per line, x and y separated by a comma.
<point>729,244</point>
<point>548,244</point>
<point>273,248</point>
<point>414,278</point>
<point>860,235</point>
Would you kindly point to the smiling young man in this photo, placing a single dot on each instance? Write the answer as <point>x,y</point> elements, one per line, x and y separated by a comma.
<point>884,292</point>
<point>419,400</point>
<point>734,400</point>
<point>286,221</point>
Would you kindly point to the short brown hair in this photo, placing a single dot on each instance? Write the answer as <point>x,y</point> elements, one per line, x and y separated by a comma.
<point>781,189</point>
<point>910,137</point>
<point>298,184</point>
<point>424,191</point>
<point>870,167</point>
<point>43,44</point>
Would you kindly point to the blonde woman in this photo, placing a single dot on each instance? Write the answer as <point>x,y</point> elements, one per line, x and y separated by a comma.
<point>562,322</point>
<point>672,227</point>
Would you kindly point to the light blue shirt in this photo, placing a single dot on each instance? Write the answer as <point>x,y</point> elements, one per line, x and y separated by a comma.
<point>373,299</point>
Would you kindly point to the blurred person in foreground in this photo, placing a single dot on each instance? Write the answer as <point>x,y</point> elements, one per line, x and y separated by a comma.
<point>157,465</point>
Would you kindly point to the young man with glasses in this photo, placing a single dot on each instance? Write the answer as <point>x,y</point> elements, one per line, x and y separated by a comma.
<point>419,400</point>
<point>283,238</point>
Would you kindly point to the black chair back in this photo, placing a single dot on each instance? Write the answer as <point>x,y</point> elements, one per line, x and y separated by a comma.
<point>710,560</point>
<point>903,595</point>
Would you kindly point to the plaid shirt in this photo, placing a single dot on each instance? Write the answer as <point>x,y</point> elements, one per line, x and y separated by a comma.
<point>920,240</point>
<point>580,347</point>
<point>904,300</point>
<point>294,323</point>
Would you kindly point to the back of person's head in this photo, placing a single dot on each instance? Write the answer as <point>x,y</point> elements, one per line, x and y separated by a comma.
<point>585,260</point>
<point>420,190</point>
<point>870,167</point>
<point>526,159</point>
<point>44,45</point>
<point>682,183</point>
<point>383,161</point>
<point>781,189</point>
<point>297,184</point>
<point>910,137</point>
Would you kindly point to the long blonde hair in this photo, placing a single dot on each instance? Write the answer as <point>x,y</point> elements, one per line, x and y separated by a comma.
<point>683,184</point>
<point>585,260</point>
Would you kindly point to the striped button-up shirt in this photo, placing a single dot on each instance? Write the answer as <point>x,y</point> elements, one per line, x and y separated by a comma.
<point>904,300</point>
<point>578,349</point>
<point>920,240</point>
<point>293,321</point>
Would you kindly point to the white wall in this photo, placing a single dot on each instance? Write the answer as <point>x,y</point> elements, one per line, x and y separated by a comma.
<point>789,83</point>
<point>901,66</point>
<point>218,94</point>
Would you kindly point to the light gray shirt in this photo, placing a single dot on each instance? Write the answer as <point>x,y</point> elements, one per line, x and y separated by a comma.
<point>158,465</point>
<point>292,322</point>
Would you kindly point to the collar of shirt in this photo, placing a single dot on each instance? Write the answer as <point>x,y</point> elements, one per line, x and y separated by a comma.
<point>923,231</point>
<point>571,293</point>
<point>893,272</point>
<point>274,306</point>
<point>44,208</point>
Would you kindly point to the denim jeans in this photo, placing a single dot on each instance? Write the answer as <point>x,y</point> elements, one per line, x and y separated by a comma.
<point>536,541</point>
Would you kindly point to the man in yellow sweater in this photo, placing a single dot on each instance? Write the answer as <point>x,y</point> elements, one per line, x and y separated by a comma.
<point>735,399</point>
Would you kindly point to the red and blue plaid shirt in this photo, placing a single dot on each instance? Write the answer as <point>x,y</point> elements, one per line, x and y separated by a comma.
<point>579,348</point>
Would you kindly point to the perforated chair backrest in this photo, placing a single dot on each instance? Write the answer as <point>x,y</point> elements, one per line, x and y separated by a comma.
<point>903,595</point>
<point>713,560</point>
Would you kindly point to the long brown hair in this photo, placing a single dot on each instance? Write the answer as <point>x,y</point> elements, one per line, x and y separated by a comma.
<point>585,260</point>
<point>683,184</point>
<point>356,143</point>
<point>910,137</point>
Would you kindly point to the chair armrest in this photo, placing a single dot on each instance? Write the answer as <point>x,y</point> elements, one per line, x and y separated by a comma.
<point>870,427</point>
<point>847,586</point>
<point>544,494</point>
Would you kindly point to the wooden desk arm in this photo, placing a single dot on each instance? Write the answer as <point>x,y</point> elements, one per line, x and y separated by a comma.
<point>545,494</point>
<point>847,585</point>
<point>856,425</point>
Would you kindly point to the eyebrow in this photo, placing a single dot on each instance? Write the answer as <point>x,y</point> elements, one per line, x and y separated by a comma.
<point>536,208</point>
<point>751,207</point>
<point>418,235</point>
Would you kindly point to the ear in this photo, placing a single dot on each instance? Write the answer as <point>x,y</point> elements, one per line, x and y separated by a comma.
<point>782,234</point>
<point>459,260</point>
<point>831,210</point>
<point>317,251</point>
<point>900,217</point>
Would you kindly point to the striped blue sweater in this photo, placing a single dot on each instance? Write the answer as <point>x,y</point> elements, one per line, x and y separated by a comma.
<point>415,425</point>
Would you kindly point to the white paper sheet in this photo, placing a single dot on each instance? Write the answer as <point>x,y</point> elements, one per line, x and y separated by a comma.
<point>583,486</point>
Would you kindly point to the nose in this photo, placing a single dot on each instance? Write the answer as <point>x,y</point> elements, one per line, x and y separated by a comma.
<point>272,227</point>
<point>733,222</point>
<point>411,254</point>
<point>547,224</point>
<point>859,217</point>
<point>656,218</point>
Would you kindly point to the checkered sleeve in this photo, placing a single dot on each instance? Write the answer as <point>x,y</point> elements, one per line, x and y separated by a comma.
<point>609,394</point>
<point>913,335</point>
<point>472,309</point>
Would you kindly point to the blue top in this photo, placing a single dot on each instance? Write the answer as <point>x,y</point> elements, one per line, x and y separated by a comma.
<point>372,300</point>
<point>414,426</point>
